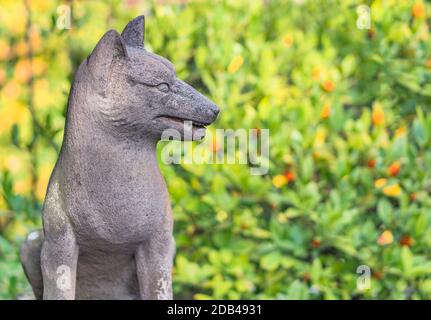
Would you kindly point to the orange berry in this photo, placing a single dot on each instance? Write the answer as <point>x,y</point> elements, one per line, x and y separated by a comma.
<point>132,3</point>
<point>328,86</point>
<point>215,145</point>
<point>428,63</point>
<point>371,163</point>
<point>406,240</point>
<point>371,33</point>
<point>21,49</point>
<point>377,275</point>
<point>35,40</point>
<point>256,131</point>
<point>315,243</point>
<point>413,196</point>
<point>23,70</point>
<point>306,276</point>
<point>378,116</point>
<point>418,10</point>
<point>244,225</point>
<point>326,111</point>
<point>394,169</point>
<point>290,176</point>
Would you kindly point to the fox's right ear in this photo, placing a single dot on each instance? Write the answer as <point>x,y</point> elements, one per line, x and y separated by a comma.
<point>109,48</point>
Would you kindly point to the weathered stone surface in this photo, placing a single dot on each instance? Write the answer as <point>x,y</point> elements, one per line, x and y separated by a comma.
<point>107,216</point>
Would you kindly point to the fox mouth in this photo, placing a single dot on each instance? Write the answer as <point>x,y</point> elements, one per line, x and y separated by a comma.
<point>181,121</point>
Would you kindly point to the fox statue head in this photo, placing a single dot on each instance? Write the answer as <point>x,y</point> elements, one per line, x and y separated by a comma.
<point>137,93</point>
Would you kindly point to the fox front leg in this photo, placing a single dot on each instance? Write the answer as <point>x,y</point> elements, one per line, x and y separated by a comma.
<point>154,267</point>
<point>58,261</point>
<point>59,252</point>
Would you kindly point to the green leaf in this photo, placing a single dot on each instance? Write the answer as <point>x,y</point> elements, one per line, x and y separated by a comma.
<point>419,133</point>
<point>271,261</point>
<point>406,260</point>
<point>384,210</point>
<point>15,134</point>
<point>297,291</point>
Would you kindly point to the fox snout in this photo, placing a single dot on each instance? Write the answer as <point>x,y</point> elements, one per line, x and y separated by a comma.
<point>191,105</point>
<point>187,111</point>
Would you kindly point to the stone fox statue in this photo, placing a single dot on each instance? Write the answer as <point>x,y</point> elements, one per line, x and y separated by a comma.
<point>107,220</point>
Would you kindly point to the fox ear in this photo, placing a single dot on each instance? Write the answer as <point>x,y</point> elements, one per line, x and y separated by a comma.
<point>109,48</point>
<point>134,33</point>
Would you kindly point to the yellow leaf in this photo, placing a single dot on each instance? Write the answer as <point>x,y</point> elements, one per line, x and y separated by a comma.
<point>14,112</point>
<point>392,190</point>
<point>221,216</point>
<point>401,131</point>
<point>279,180</point>
<point>287,40</point>
<point>2,76</point>
<point>201,296</point>
<point>235,64</point>
<point>17,228</point>
<point>316,73</point>
<point>42,182</point>
<point>2,202</point>
<point>282,217</point>
<point>14,163</point>
<point>4,50</point>
<point>385,238</point>
<point>39,66</point>
<point>380,182</point>
<point>320,137</point>
<point>22,186</point>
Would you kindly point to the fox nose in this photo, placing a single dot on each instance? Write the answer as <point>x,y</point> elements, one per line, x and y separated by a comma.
<point>215,110</point>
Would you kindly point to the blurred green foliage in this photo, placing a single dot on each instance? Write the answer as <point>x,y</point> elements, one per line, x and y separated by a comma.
<point>348,112</point>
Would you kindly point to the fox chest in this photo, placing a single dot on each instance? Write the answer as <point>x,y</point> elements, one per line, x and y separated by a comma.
<point>128,213</point>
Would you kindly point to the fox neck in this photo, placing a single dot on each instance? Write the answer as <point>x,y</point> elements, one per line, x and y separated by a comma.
<point>90,145</point>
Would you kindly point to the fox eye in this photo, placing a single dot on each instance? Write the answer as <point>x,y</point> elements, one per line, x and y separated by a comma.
<point>163,87</point>
<point>131,82</point>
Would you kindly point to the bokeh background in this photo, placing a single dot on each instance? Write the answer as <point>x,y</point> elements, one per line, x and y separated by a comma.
<point>349,116</point>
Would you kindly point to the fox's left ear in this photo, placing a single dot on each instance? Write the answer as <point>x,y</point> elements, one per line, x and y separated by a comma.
<point>134,33</point>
